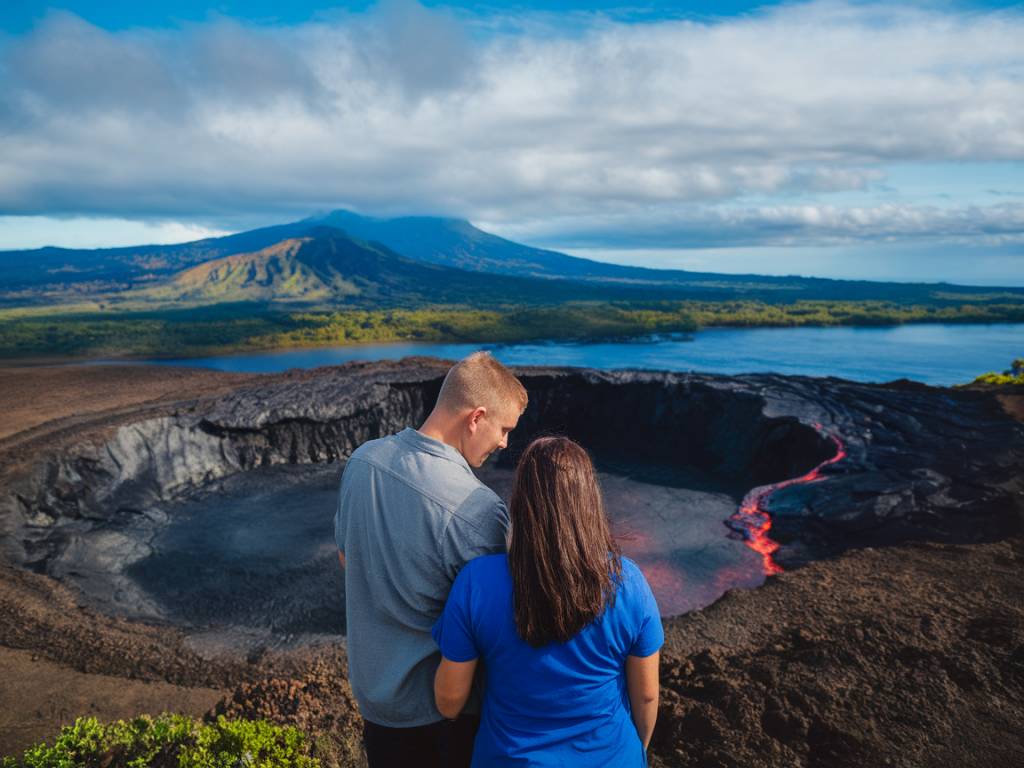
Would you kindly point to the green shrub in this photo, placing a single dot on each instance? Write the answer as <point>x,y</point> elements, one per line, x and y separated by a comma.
<point>1013,376</point>
<point>170,741</point>
<point>999,378</point>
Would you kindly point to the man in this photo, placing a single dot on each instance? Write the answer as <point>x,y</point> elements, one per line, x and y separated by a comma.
<point>410,514</point>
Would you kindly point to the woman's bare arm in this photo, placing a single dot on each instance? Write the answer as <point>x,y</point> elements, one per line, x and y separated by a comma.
<point>642,684</point>
<point>452,684</point>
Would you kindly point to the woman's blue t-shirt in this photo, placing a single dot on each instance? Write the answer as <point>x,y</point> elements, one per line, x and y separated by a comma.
<point>561,704</point>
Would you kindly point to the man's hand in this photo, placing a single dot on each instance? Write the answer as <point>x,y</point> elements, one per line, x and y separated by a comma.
<point>341,558</point>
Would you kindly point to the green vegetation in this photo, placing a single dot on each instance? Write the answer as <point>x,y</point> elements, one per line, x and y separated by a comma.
<point>84,331</point>
<point>577,321</point>
<point>829,313</point>
<point>170,740</point>
<point>195,332</point>
<point>1013,376</point>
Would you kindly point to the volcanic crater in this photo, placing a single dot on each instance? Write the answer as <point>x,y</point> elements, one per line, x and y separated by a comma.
<point>218,517</point>
<point>205,521</point>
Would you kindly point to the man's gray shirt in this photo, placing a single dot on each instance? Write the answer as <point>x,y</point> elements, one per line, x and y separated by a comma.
<point>410,514</point>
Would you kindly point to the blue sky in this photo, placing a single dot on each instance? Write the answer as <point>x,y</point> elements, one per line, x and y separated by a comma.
<point>21,15</point>
<point>827,138</point>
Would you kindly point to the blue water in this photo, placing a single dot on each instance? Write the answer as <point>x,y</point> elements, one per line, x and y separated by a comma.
<point>940,354</point>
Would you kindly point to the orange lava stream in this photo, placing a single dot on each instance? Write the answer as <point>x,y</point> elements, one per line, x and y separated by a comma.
<point>754,522</point>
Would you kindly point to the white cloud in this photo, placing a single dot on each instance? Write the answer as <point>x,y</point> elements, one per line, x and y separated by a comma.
<point>775,225</point>
<point>885,261</point>
<point>18,232</point>
<point>407,109</point>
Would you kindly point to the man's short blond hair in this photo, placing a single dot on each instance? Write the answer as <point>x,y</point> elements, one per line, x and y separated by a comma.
<point>480,380</point>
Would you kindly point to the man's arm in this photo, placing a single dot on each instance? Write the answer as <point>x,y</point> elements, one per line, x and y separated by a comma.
<point>341,558</point>
<point>479,527</point>
<point>642,683</point>
<point>452,684</point>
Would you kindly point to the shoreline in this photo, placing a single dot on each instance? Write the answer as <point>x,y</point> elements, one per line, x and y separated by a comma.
<point>236,351</point>
<point>170,360</point>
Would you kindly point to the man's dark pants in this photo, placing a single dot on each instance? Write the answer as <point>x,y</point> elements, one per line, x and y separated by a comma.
<point>447,744</point>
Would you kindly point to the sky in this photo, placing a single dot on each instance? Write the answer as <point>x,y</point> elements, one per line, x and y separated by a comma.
<point>837,139</point>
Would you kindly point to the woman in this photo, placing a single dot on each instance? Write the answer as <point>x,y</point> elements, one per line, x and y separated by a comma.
<point>567,629</point>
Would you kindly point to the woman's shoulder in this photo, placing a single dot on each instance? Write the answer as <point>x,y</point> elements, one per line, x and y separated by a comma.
<point>487,566</point>
<point>628,563</point>
<point>633,583</point>
<point>483,579</point>
<point>631,571</point>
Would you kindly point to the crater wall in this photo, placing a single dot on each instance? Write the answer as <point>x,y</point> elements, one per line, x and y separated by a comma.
<point>651,420</point>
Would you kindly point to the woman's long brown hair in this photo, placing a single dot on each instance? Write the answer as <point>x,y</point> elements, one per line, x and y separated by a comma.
<point>564,563</point>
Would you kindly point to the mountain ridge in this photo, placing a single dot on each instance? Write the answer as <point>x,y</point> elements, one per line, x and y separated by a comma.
<point>439,242</point>
<point>272,273</point>
<point>327,265</point>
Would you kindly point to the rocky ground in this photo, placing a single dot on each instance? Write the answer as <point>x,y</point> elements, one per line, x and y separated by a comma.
<point>901,656</point>
<point>910,654</point>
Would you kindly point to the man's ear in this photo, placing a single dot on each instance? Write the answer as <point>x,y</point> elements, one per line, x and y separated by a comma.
<point>475,417</point>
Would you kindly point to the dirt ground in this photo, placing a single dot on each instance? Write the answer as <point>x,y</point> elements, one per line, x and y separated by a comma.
<point>45,399</point>
<point>903,656</point>
<point>38,697</point>
<point>1013,405</point>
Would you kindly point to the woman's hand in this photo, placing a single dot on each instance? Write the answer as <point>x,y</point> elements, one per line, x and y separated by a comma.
<point>642,684</point>
<point>452,684</point>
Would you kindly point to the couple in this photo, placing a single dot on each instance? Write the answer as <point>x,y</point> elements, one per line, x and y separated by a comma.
<point>462,654</point>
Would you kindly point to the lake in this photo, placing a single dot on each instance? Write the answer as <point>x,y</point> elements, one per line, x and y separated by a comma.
<point>939,354</point>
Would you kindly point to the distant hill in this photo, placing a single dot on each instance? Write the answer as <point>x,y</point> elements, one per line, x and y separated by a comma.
<point>444,242</point>
<point>455,244</point>
<point>280,272</point>
<point>326,265</point>
<point>130,266</point>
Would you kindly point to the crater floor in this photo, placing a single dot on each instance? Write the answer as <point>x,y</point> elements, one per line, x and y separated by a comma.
<point>250,560</point>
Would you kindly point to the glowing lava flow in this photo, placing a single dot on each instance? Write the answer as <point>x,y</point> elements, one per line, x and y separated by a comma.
<point>754,522</point>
